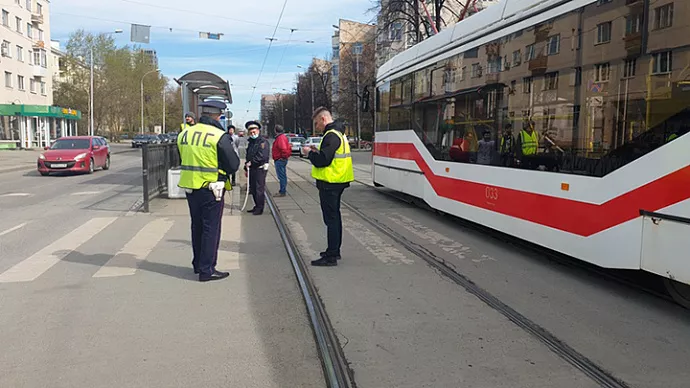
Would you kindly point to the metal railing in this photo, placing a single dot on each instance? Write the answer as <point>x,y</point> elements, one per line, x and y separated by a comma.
<point>157,159</point>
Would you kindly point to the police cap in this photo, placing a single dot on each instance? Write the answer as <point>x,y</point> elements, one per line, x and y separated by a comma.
<point>212,107</point>
<point>251,124</point>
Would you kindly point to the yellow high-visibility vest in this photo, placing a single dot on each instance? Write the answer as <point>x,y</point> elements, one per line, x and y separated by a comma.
<point>340,170</point>
<point>530,143</point>
<point>198,147</point>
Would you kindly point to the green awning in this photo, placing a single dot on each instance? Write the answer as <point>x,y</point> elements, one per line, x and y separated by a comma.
<point>39,111</point>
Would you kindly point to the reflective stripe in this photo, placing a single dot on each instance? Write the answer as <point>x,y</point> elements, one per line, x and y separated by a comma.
<point>342,156</point>
<point>199,169</point>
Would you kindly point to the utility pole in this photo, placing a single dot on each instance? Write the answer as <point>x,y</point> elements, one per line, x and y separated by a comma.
<point>91,94</point>
<point>164,131</point>
<point>359,118</point>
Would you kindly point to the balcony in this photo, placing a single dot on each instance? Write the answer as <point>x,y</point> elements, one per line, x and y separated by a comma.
<point>541,33</point>
<point>635,4</point>
<point>492,78</point>
<point>538,65</point>
<point>633,43</point>
<point>40,71</point>
<point>37,18</point>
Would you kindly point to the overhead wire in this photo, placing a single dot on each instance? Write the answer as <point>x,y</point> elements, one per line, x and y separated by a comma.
<point>268,50</point>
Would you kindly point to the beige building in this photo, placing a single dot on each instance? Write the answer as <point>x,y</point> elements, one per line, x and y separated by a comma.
<point>27,117</point>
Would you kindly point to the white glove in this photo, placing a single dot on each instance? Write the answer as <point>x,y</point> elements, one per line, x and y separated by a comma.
<point>217,188</point>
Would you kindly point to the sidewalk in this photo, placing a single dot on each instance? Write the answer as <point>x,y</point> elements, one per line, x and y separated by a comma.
<point>18,160</point>
<point>400,323</point>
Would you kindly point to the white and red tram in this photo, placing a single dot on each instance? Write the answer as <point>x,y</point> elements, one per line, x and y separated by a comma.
<point>606,86</point>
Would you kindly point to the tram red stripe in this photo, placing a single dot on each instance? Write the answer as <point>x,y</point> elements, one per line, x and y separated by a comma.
<point>568,215</point>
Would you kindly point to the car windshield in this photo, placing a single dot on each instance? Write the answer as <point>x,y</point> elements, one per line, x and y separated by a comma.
<point>315,140</point>
<point>139,137</point>
<point>296,140</point>
<point>71,144</point>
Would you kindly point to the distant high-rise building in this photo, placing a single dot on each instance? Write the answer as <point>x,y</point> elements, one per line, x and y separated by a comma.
<point>153,57</point>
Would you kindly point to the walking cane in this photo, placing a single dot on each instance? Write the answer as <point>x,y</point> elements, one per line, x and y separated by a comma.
<point>246,197</point>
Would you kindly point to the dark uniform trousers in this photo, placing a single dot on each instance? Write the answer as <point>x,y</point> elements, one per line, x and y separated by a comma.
<point>206,215</point>
<point>330,208</point>
<point>257,187</point>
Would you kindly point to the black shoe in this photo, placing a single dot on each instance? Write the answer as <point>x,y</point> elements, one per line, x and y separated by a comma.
<point>323,254</point>
<point>251,211</point>
<point>279,195</point>
<point>325,262</point>
<point>258,212</point>
<point>216,275</point>
<point>196,271</point>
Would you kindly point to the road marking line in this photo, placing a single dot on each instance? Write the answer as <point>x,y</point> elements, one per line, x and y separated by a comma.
<point>127,260</point>
<point>10,230</point>
<point>230,260</point>
<point>16,195</point>
<point>87,193</point>
<point>375,244</point>
<point>38,263</point>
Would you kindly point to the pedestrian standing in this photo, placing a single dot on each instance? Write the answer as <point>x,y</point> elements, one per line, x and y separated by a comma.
<point>257,166</point>
<point>207,159</point>
<point>282,150</point>
<point>235,146</point>
<point>332,169</point>
<point>189,121</point>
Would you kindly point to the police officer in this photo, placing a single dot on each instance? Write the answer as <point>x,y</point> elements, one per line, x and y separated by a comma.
<point>207,159</point>
<point>189,120</point>
<point>333,171</point>
<point>257,164</point>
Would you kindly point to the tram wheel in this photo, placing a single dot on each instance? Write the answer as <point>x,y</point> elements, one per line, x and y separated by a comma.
<point>679,292</point>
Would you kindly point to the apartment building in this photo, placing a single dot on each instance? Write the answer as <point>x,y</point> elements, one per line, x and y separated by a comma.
<point>27,117</point>
<point>353,44</point>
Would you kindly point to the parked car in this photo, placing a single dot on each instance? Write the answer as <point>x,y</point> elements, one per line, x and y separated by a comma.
<point>311,142</point>
<point>75,154</point>
<point>140,140</point>
<point>296,144</point>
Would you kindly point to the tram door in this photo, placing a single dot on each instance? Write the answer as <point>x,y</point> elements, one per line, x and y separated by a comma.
<point>665,246</point>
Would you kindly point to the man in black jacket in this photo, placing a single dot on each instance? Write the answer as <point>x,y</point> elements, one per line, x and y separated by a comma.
<point>333,173</point>
<point>257,164</point>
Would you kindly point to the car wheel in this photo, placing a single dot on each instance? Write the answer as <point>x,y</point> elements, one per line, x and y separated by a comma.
<point>106,166</point>
<point>44,173</point>
<point>91,163</point>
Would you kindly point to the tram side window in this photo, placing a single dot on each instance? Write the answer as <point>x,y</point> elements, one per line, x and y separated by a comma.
<point>383,105</point>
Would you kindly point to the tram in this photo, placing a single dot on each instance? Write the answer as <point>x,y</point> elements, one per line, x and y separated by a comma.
<point>563,123</point>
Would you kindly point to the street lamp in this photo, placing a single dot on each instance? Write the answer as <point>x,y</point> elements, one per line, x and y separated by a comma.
<point>142,98</point>
<point>91,129</point>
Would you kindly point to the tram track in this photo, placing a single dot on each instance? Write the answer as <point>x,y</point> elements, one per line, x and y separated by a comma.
<point>579,361</point>
<point>335,367</point>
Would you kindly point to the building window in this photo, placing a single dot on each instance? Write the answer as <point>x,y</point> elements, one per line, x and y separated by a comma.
<point>396,32</point>
<point>602,2</point>
<point>28,5</point>
<point>662,63</point>
<point>604,33</point>
<point>551,81</point>
<point>494,66</point>
<point>19,23</point>
<point>20,82</point>
<point>336,51</point>
<point>5,18</point>
<point>43,88</point>
<point>663,16</point>
<point>32,85</point>
<point>602,72</point>
<point>357,48</point>
<point>529,53</point>
<point>517,58</point>
<point>8,79</point>
<point>5,49</point>
<point>20,53</point>
<point>463,71</point>
<point>39,9</point>
<point>37,57</point>
<point>629,68</point>
<point>29,31</point>
<point>40,35</point>
<point>476,70</point>
<point>335,71</point>
<point>527,85</point>
<point>553,45</point>
<point>633,24</point>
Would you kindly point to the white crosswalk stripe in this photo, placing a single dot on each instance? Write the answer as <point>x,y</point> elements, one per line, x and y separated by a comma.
<point>38,263</point>
<point>127,260</point>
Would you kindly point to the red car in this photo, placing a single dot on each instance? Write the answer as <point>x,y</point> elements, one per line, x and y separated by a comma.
<point>75,154</point>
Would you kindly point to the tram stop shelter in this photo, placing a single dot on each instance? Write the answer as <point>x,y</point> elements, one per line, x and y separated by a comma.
<point>199,86</point>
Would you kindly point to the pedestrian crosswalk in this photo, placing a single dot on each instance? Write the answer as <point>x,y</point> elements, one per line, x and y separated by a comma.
<point>123,245</point>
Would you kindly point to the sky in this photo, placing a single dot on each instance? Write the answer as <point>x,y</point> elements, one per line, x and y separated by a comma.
<point>238,56</point>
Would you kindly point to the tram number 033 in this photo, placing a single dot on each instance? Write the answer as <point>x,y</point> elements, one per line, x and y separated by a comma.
<point>491,193</point>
